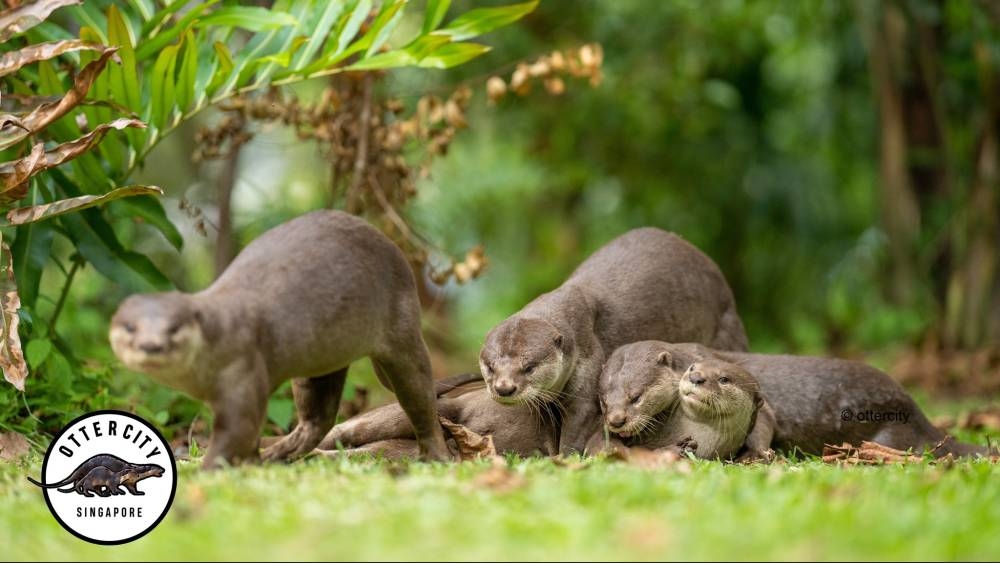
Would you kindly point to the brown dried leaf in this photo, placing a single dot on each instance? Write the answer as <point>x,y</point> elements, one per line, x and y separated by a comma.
<point>982,419</point>
<point>13,446</point>
<point>11,121</point>
<point>33,213</point>
<point>470,444</point>
<point>13,175</point>
<point>10,62</point>
<point>24,17</point>
<point>500,478</point>
<point>646,458</point>
<point>868,453</point>
<point>45,114</point>
<point>15,370</point>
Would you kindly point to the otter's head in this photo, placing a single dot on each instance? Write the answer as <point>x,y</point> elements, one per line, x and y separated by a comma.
<point>638,383</point>
<point>140,472</point>
<point>714,390</point>
<point>157,334</point>
<point>526,360</point>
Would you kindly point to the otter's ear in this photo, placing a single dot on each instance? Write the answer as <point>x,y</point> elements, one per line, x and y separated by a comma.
<point>665,359</point>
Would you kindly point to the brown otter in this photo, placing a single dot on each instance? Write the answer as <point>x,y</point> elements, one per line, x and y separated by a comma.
<point>463,399</point>
<point>304,300</point>
<point>816,401</point>
<point>716,405</point>
<point>645,284</point>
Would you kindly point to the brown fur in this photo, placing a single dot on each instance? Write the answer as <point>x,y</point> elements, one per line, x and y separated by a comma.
<point>807,394</point>
<point>645,284</point>
<point>303,300</point>
<point>463,400</point>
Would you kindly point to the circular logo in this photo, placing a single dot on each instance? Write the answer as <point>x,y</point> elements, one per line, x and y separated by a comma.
<point>108,477</point>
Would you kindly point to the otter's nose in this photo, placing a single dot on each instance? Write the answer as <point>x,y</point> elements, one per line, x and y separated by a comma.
<point>696,378</point>
<point>505,389</point>
<point>616,420</point>
<point>151,347</point>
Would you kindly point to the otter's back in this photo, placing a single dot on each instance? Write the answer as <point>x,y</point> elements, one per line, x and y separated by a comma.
<point>654,285</point>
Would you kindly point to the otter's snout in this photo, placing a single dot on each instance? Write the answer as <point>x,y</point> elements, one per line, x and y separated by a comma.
<point>152,347</point>
<point>696,378</point>
<point>616,420</point>
<point>505,388</point>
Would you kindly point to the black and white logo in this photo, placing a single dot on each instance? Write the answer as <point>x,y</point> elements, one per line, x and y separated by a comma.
<point>108,477</point>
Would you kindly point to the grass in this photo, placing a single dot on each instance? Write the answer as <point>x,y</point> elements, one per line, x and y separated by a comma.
<point>536,509</point>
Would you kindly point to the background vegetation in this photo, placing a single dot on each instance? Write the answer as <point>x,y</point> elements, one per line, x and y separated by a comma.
<point>838,160</point>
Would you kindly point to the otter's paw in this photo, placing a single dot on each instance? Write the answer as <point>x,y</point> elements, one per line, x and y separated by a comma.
<point>300,442</point>
<point>687,446</point>
<point>756,456</point>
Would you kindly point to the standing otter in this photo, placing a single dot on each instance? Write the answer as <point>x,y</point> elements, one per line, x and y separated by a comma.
<point>716,405</point>
<point>815,401</point>
<point>303,300</point>
<point>463,400</point>
<point>646,284</point>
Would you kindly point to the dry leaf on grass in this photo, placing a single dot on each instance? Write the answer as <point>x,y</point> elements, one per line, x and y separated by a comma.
<point>868,453</point>
<point>470,444</point>
<point>500,478</point>
<point>13,446</point>
<point>982,419</point>
<point>646,458</point>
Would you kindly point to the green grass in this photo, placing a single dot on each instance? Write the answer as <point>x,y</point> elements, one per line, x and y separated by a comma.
<point>320,509</point>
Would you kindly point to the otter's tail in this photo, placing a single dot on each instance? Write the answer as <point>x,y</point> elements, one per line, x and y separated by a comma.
<point>949,445</point>
<point>52,485</point>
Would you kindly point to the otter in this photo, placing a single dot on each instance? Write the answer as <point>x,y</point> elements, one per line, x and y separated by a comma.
<point>105,474</point>
<point>304,300</point>
<point>715,408</point>
<point>463,399</point>
<point>646,284</point>
<point>815,401</point>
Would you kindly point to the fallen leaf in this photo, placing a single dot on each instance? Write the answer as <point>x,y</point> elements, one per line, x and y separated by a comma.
<point>13,446</point>
<point>982,419</point>
<point>645,458</point>
<point>500,478</point>
<point>470,444</point>
<point>868,453</point>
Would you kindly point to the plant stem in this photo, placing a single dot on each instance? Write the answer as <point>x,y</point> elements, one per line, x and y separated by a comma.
<point>65,291</point>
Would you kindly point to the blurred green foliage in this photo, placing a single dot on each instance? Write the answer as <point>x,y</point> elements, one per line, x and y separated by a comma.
<point>750,128</point>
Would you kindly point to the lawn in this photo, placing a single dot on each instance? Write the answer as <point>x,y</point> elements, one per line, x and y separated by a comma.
<point>528,509</point>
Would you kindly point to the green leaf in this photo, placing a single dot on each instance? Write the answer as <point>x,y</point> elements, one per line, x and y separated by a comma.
<point>150,210</point>
<point>392,59</point>
<point>246,17</point>
<point>188,73</point>
<point>162,85</point>
<point>35,213</point>
<point>435,12</point>
<point>37,351</point>
<point>96,241</point>
<point>147,49</point>
<point>483,20</point>
<point>225,66</point>
<point>351,26</point>
<point>382,27</point>
<point>31,250</point>
<point>324,23</point>
<point>118,35</point>
<point>149,29</point>
<point>452,54</point>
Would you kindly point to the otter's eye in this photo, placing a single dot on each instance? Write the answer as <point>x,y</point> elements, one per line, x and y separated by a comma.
<point>529,368</point>
<point>723,380</point>
<point>489,368</point>
<point>173,330</point>
<point>129,328</point>
<point>634,399</point>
